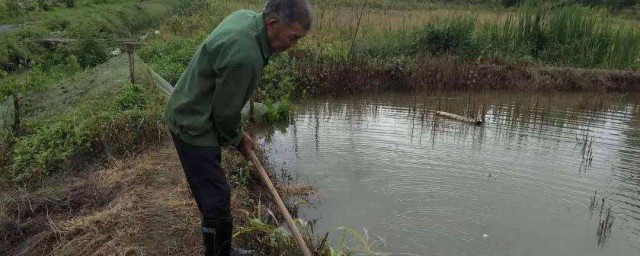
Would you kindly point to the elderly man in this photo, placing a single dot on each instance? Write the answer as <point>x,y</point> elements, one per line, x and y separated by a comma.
<point>203,113</point>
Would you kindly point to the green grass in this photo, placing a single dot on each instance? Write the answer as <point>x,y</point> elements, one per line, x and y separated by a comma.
<point>15,11</point>
<point>100,23</point>
<point>571,36</point>
<point>352,242</point>
<point>65,117</point>
<point>84,117</point>
<point>170,57</point>
<point>331,41</point>
<point>6,118</point>
<point>169,54</point>
<point>86,130</point>
<point>26,66</point>
<point>545,34</point>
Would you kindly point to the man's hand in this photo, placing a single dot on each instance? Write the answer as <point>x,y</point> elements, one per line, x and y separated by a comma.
<point>246,146</point>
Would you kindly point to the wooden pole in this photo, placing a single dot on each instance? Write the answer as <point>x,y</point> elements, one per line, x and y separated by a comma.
<point>459,118</point>
<point>131,64</point>
<point>287,217</point>
<point>16,115</point>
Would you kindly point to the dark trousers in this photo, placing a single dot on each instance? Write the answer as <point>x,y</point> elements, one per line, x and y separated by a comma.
<point>212,193</point>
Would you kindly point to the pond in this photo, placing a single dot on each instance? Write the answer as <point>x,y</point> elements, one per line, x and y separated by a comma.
<point>547,174</point>
<point>13,27</point>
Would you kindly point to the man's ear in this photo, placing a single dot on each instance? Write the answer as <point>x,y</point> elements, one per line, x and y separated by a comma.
<point>272,21</point>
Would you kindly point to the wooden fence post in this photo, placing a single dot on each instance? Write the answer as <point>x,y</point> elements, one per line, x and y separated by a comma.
<point>131,63</point>
<point>16,115</point>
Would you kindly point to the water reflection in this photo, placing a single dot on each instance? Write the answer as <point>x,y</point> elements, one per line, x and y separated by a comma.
<point>429,184</point>
<point>586,151</point>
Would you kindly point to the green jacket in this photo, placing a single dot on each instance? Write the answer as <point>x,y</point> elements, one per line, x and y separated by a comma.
<point>205,106</point>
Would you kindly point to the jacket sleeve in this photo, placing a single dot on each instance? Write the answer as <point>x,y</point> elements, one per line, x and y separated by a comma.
<point>232,82</point>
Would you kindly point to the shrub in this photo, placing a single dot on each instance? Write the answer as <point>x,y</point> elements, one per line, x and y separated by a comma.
<point>10,8</point>
<point>621,4</point>
<point>452,36</point>
<point>132,96</point>
<point>279,80</point>
<point>278,111</point>
<point>13,54</point>
<point>509,3</point>
<point>57,23</point>
<point>613,4</point>
<point>44,5</point>
<point>91,51</point>
<point>9,87</point>
<point>170,59</point>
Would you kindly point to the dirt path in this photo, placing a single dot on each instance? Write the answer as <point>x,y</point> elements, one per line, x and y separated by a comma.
<point>141,206</point>
<point>148,211</point>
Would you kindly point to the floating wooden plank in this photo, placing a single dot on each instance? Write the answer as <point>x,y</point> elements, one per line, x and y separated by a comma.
<point>459,118</point>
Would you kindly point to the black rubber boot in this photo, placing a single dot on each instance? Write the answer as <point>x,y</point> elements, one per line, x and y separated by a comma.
<point>216,236</point>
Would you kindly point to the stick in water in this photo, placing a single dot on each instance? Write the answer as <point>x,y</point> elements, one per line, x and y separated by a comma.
<point>292,226</point>
<point>459,118</point>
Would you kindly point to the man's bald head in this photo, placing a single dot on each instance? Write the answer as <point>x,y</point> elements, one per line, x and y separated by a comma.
<point>287,21</point>
<point>289,11</point>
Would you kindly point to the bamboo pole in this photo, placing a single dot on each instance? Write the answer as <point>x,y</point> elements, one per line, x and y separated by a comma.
<point>292,226</point>
<point>459,118</point>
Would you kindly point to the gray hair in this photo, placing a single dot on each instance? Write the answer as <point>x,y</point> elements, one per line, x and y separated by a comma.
<point>289,11</point>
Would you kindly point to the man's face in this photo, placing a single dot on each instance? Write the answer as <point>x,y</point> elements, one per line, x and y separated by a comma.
<point>283,36</point>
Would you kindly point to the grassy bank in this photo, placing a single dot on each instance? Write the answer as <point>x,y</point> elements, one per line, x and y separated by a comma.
<point>63,126</point>
<point>103,22</point>
<point>141,205</point>
<point>91,161</point>
<point>355,47</point>
<point>76,182</point>
<point>53,119</point>
<point>569,36</point>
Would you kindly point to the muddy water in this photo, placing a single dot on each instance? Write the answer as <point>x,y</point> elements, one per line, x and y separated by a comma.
<point>539,178</point>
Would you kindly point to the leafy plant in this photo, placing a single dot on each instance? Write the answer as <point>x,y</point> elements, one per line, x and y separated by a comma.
<point>278,111</point>
<point>352,242</point>
<point>446,37</point>
<point>279,80</point>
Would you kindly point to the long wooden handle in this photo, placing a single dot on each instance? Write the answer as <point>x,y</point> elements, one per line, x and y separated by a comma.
<point>292,226</point>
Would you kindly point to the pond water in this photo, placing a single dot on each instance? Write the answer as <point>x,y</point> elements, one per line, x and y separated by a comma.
<point>12,27</point>
<point>8,27</point>
<point>547,174</point>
